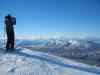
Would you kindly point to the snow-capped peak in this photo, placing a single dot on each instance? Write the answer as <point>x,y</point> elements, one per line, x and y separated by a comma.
<point>74,43</point>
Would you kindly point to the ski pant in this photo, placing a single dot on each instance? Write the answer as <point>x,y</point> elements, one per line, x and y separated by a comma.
<point>10,40</point>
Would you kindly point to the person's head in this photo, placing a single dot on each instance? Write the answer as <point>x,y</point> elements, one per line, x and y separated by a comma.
<point>8,17</point>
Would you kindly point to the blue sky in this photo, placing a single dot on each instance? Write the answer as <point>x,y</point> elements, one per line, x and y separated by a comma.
<point>73,18</point>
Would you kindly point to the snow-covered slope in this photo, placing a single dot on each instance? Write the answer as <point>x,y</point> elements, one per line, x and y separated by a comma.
<point>68,48</point>
<point>27,62</point>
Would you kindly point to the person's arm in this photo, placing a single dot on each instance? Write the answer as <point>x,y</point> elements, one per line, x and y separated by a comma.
<point>14,21</point>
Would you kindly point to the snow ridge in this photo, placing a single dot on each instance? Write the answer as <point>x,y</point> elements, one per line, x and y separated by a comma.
<point>27,62</point>
<point>48,58</point>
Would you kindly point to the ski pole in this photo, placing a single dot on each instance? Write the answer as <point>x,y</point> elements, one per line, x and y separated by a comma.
<point>4,37</point>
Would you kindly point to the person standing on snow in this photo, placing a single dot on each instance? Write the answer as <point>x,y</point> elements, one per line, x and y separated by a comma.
<point>9,22</point>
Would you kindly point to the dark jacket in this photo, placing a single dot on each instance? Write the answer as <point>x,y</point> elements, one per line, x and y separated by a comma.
<point>9,22</point>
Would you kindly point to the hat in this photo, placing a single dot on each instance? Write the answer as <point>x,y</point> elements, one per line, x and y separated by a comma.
<point>8,16</point>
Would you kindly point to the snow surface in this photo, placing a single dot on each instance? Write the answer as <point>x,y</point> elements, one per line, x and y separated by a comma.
<point>27,62</point>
